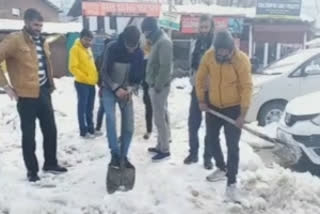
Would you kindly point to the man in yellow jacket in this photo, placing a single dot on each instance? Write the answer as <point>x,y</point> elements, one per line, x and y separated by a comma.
<point>230,87</point>
<point>82,66</point>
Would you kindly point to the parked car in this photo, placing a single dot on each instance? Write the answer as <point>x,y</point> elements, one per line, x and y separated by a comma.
<point>290,77</point>
<point>300,124</point>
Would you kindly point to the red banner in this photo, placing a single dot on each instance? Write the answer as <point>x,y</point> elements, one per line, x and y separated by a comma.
<point>221,23</point>
<point>120,9</point>
<point>190,24</point>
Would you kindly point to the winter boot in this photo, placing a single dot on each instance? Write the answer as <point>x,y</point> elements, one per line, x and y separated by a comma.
<point>233,194</point>
<point>217,175</point>
<point>191,159</point>
<point>33,177</point>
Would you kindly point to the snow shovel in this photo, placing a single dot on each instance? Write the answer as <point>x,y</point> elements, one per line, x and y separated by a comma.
<point>285,151</point>
<point>120,178</point>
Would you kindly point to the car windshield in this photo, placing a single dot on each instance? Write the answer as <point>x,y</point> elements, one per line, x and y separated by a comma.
<point>288,63</point>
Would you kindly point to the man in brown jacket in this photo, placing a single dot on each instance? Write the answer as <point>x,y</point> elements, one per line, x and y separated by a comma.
<point>30,73</point>
<point>229,72</point>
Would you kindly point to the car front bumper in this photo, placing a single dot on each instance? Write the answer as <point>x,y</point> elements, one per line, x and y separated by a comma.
<point>310,145</point>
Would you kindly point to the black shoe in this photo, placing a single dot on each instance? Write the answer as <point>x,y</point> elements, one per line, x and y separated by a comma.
<point>191,159</point>
<point>161,156</point>
<point>115,161</point>
<point>33,177</point>
<point>154,150</point>
<point>208,164</point>
<point>128,164</point>
<point>55,169</point>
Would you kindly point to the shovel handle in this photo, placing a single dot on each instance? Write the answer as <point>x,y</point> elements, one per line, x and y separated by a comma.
<point>245,127</point>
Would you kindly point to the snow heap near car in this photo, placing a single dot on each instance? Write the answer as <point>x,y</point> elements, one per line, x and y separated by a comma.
<point>167,187</point>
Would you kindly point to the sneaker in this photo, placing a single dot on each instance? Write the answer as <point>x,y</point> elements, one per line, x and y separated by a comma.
<point>207,164</point>
<point>233,194</point>
<point>55,169</point>
<point>88,137</point>
<point>146,136</point>
<point>154,150</point>
<point>33,177</point>
<point>98,133</point>
<point>217,175</point>
<point>161,156</point>
<point>191,159</point>
<point>127,163</point>
<point>115,161</point>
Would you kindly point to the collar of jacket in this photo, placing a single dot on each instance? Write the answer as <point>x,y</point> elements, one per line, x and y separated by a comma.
<point>78,43</point>
<point>234,58</point>
<point>156,36</point>
<point>122,47</point>
<point>208,39</point>
<point>28,37</point>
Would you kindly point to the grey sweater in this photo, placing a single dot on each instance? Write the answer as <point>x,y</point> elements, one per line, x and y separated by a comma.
<point>160,62</point>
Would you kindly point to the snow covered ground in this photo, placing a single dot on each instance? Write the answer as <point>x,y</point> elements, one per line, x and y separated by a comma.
<point>161,188</point>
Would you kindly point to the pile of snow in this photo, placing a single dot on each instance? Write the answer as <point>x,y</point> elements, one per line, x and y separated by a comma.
<point>166,187</point>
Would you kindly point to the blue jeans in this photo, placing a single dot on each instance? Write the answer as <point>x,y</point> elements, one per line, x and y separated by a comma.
<point>86,96</point>
<point>127,122</point>
<point>194,123</point>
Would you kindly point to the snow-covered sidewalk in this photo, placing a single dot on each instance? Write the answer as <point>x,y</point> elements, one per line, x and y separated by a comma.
<point>168,187</point>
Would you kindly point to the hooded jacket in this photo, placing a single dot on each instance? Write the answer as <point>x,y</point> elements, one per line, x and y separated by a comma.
<point>121,69</point>
<point>82,65</point>
<point>160,61</point>
<point>230,83</point>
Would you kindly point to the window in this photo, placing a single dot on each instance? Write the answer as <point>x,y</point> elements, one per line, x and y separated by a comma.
<point>313,68</point>
<point>15,11</point>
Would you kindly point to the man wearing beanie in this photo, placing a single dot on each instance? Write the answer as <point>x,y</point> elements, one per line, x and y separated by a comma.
<point>158,78</point>
<point>121,72</point>
<point>229,72</point>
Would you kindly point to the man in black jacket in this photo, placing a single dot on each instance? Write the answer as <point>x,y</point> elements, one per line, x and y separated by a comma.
<point>121,71</point>
<point>203,43</point>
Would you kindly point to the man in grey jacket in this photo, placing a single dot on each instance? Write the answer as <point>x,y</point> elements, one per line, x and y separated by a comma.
<point>158,77</point>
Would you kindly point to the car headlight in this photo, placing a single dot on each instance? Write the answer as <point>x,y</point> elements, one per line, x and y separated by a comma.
<point>316,120</point>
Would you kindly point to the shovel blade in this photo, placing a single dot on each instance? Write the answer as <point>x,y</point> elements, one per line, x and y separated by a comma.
<point>120,179</point>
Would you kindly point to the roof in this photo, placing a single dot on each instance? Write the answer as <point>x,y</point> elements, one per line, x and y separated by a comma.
<point>48,27</point>
<point>76,9</point>
<point>217,10</point>
<point>52,5</point>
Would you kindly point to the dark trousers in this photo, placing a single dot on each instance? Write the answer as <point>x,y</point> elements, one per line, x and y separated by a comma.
<point>86,95</point>
<point>194,123</point>
<point>148,107</point>
<point>100,115</point>
<point>232,134</point>
<point>29,110</point>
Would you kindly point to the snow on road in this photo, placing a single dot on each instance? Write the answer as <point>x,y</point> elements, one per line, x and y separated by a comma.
<point>161,188</point>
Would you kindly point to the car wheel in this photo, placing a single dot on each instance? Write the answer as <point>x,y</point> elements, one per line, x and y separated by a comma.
<point>305,165</point>
<point>271,112</point>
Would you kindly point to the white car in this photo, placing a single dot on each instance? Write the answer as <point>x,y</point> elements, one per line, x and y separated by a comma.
<point>293,76</point>
<point>300,125</point>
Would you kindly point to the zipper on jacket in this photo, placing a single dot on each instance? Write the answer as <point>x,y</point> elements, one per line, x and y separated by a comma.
<point>220,94</point>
